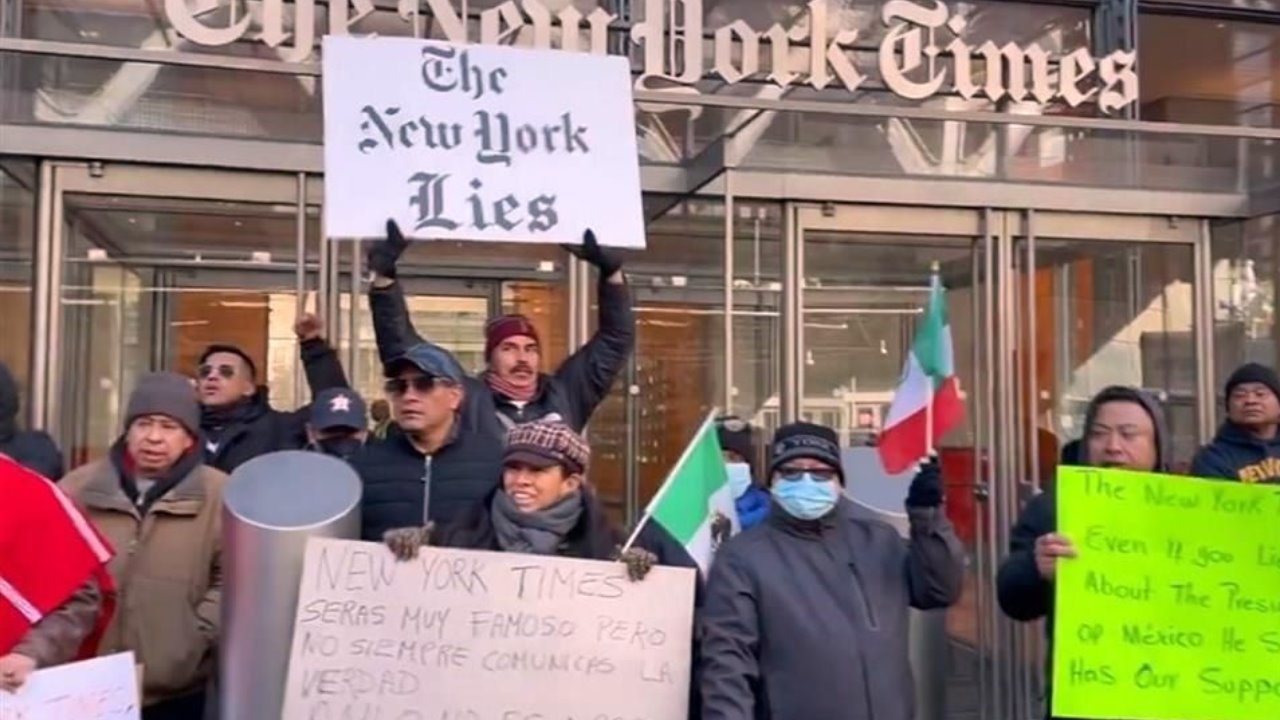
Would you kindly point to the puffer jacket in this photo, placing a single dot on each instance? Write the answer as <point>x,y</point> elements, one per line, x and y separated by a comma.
<point>570,394</point>
<point>31,448</point>
<point>168,573</point>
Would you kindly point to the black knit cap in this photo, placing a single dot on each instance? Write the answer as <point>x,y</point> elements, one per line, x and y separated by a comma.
<point>1253,373</point>
<point>234,350</point>
<point>737,435</point>
<point>805,440</point>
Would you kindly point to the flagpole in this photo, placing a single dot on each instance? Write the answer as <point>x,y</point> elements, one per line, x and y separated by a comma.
<point>934,281</point>
<point>684,456</point>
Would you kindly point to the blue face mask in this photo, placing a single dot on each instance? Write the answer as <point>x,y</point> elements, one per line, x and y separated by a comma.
<point>804,496</point>
<point>739,478</point>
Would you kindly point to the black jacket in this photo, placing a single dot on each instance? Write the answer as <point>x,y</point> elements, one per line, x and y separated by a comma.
<point>1024,595</point>
<point>1234,454</point>
<point>399,480</point>
<point>575,389</point>
<point>31,448</point>
<point>260,429</point>
<point>808,619</point>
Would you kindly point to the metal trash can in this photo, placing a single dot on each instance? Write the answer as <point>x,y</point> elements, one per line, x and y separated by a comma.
<point>273,504</point>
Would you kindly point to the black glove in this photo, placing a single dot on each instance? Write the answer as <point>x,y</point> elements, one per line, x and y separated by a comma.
<point>590,251</point>
<point>926,487</point>
<point>383,254</point>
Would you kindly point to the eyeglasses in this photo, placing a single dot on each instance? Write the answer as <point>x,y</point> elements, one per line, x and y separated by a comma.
<point>733,424</point>
<point>421,384</point>
<point>226,372</point>
<point>791,474</point>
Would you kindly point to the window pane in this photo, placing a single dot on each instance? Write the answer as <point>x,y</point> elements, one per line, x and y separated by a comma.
<point>17,263</point>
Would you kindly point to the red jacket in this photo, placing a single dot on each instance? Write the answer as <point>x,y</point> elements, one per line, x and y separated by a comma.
<point>48,550</point>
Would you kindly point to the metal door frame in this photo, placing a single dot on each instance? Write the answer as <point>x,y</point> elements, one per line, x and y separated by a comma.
<point>1004,247</point>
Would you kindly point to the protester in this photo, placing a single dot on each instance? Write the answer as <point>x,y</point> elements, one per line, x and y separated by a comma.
<point>515,387</point>
<point>807,613</point>
<point>338,425</point>
<point>1246,447</point>
<point>380,413</point>
<point>441,456</point>
<point>1124,428</point>
<point>154,495</point>
<point>50,612</point>
<point>238,422</point>
<point>738,447</point>
<point>32,448</point>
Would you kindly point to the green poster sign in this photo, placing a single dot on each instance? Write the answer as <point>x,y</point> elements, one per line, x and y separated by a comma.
<point>1172,609</point>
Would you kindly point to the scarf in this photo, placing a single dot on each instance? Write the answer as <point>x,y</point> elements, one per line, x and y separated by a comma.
<point>160,485</point>
<point>519,393</point>
<point>38,522</point>
<point>240,411</point>
<point>541,532</point>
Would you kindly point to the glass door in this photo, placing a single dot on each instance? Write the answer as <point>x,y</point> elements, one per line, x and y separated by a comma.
<point>155,264</point>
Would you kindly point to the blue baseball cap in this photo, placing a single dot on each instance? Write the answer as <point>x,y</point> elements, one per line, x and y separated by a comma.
<point>429,359</point>
<point>338,408</point>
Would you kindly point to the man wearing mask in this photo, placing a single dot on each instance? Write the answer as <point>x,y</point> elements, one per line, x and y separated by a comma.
<point>154,495</point>
<point>1124,428</point>
<point>807,613</point>
<point>33,448</point>
<point>514,386</point>
<point>1246,447</point>
<point>439,458</point>
<point>238,422</point>
<point>339,424</point>
<point>738,447</point>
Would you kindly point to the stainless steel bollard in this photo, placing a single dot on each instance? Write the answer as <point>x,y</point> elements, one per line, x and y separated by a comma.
<point>273,504</point>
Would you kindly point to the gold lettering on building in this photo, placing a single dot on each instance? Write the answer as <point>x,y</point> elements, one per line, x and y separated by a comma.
<point>923,53</point>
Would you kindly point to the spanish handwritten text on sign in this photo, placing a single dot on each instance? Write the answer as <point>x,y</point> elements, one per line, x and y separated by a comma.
<point>465,635</point>
<point>1172,609</point>
<point>478,142</point>
<point>104,688</point>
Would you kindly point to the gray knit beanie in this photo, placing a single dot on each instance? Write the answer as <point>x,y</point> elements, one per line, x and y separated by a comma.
<point>168,394</point>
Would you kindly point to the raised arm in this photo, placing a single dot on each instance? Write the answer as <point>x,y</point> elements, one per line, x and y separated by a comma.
<point>935,556</point>
<point>392,328</point>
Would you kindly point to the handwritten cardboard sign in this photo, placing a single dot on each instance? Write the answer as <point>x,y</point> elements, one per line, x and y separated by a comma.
<point>464,635</point>
<point>104,688</point>
<point>475,142</point>
<point>1172,609</point>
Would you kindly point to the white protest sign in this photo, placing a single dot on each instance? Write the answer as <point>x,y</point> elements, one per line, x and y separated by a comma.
<point>104,688</point>
<point>466,635</point>
<point>477,142</point>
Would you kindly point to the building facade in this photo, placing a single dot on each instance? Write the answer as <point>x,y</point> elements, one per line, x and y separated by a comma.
<point>1097,180</point>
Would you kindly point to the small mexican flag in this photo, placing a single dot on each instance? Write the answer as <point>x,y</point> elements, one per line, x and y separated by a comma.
<point>927,402</point>
<point>695,504</point>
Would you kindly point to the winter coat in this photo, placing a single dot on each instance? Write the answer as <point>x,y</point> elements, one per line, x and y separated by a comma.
<point>1235,454</point>
<point>399,480</point>
<point>259,429</point>
<point>31,448</point>
<point>168,573</point>
<point>575,389</point>
<point>752,507</point>
<point>1022,593</point>
<point>808,619</point>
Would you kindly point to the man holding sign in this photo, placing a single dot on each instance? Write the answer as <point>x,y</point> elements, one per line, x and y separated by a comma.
<point>520,391</point>
<point>1124,428</point>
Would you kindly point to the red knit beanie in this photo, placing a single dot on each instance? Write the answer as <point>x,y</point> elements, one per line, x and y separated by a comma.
<point>504,327</point>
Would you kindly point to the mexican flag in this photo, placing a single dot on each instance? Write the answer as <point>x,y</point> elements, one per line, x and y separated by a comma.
<point>695,504</point>
<point>927,402</point>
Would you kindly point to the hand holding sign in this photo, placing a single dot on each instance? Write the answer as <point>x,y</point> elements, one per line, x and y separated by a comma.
<point>14,671</point>
<point>1050,547</point>
<point>591,252</point>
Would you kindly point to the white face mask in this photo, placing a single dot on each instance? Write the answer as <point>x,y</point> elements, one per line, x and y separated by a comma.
<point>739,478</point>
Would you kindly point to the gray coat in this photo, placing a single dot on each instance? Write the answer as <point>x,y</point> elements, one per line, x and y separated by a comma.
<point>808,620</point>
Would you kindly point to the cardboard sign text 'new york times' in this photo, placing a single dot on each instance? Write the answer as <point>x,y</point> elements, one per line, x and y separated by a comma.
<point>470,142</point>
<point>465,635</point>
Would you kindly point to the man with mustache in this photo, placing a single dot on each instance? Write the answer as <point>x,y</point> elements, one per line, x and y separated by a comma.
<point>1247,447</point>
<point>514,384</point>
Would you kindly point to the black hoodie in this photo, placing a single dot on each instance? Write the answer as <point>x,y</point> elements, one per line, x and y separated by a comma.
<point>1235,454</point>
<point>1022,593</point>
<point>34,449</point>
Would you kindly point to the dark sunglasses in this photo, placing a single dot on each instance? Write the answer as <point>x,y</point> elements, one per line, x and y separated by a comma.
<point>795,473</point>
<point>399,386</point>
<point>225,371</point>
